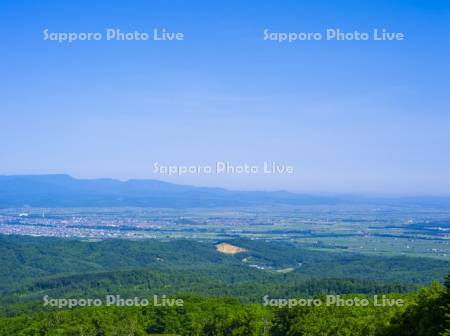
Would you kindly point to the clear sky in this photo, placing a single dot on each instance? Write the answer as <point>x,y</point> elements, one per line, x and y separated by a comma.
<point>350,116</point>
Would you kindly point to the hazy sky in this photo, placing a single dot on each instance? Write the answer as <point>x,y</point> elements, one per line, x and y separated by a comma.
<point>350,116</point>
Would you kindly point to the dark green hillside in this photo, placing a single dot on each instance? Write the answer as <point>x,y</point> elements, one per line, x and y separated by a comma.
<point>239,282</point>
<point>425,314</point>
<point>343,264</point>
<point>43,256</point>
<point>32,267</point>
<point>23,258</point>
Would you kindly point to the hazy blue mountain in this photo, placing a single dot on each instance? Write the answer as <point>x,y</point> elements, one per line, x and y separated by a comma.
<point>65,191</point>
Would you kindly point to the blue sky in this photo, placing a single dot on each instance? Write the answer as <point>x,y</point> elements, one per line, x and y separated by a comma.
<point>350,116</point>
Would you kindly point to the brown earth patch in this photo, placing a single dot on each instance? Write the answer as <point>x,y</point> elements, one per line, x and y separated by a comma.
<point>229,249</point>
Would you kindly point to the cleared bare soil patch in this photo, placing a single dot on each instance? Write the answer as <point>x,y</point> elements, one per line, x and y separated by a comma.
<point>229,249</point>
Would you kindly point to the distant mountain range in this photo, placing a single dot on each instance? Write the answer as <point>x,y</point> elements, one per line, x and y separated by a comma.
<point>65,191</point>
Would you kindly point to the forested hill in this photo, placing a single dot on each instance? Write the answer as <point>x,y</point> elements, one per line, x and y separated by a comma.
<point>34,266</point>
<point>223,294</point>
<point>424,314</point>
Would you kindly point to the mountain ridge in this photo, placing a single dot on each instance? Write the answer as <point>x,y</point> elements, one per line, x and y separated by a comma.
<point>54,190</point>
<point>62,190</point>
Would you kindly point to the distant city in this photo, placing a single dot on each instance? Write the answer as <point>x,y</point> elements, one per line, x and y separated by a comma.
<point>364,229</point>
